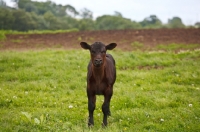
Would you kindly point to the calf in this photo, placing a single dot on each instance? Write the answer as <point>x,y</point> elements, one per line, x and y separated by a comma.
<point>101,77</point>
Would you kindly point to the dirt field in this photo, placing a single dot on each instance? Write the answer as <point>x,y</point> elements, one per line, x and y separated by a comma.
<point>124,39</point>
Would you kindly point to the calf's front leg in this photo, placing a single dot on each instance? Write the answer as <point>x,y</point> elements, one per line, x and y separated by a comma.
<point>91,108</point>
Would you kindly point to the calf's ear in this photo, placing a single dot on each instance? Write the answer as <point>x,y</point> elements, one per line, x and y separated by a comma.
<point>111,46</point>
<point>84,45</point>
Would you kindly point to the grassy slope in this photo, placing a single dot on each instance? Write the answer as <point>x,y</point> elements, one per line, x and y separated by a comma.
<point>45,91</point>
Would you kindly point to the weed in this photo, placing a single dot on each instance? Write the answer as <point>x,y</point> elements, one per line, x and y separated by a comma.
<point>16,40</point>
<point>2,36</point>
<point>137,45</point>
<point>173,46</point>
<point>79,38</point>
<point>91,39</point>
<point>57,46</point>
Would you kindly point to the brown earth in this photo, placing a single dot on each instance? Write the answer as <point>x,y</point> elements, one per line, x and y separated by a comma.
<point>124,38</point>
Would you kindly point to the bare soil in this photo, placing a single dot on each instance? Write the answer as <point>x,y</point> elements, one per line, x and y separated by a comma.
<point>149,38</point>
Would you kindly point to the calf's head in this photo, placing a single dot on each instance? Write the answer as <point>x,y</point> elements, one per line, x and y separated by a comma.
<point>98,52</point>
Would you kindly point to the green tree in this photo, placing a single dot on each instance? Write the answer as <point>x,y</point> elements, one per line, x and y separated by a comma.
<point>31,15</point>
<point>197,24</point>
<point>175,22</point>
<point>50,20</point>
<point>3,4</point>
<point>151,22</point>
<point>69,22</point>
<point>136,25</point>
<point>6,19</point>
<point>118,14</point>
<point>86,24</point>
<point>61,11</point>
<point>107,22</point>
<point>57,10</point>
<point>71,11</point>
<point>38,21</point>
<point>41,8</point>
<point>86,14</point>
<point>22,21</point>
<point>22,3</point>
<point>55,23</point>
<point>30,7</point>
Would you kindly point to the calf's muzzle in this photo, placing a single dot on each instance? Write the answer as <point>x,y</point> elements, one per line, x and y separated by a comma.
<point>98,62</point>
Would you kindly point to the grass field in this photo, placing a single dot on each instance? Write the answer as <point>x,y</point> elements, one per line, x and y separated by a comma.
<point>154,91</point>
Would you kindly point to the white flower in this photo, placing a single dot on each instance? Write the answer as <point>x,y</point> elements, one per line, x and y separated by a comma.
<point>190,105</point>
<point>70,106</point>
<point>162,120</point>
<point>14,97</point>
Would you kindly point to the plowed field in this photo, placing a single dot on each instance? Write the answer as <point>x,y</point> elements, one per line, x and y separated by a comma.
<point>124,38</point>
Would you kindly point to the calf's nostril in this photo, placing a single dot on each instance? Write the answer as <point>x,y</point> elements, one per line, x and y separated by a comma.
<point>98,61</point>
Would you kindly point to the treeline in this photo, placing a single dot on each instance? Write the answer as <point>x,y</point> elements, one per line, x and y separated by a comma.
<point>33,15</point>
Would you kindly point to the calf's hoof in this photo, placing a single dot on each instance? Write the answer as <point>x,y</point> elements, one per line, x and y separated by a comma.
<point>109,113</point>
<point>104,125</point>
<point>90,125</point>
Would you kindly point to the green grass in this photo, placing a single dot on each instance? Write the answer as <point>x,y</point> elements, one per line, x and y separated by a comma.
<point>37,31</point>
<point>174,46</point>
<point>45,91</point>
